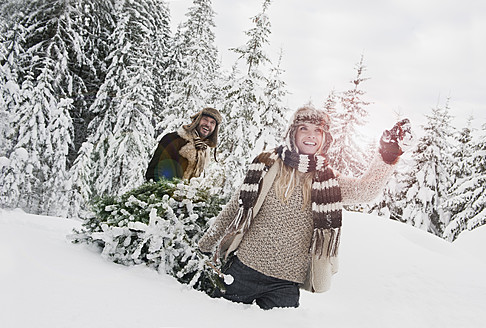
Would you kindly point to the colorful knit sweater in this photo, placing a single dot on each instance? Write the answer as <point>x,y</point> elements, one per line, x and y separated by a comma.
<point>277,242</point>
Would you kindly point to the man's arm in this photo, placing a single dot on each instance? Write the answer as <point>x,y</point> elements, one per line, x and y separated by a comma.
<point>166,154</point>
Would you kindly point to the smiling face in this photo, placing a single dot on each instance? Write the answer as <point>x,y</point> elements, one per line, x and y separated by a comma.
<point>309,138</point>
<point>206,126</point>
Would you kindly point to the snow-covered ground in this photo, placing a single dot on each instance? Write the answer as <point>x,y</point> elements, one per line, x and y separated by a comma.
<point>391,275</point>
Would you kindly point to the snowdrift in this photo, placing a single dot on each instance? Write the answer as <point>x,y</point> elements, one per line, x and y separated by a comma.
<point>391,275</point>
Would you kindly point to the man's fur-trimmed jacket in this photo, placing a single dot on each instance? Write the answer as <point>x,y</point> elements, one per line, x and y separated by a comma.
<point>177,156</point>
<point>277,242</point>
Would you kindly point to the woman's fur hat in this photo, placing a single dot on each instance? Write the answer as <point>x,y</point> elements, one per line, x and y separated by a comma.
<point>309,114</point>
<point>212,140</point>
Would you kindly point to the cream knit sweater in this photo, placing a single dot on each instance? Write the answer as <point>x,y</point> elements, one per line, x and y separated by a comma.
<point>277,243</point>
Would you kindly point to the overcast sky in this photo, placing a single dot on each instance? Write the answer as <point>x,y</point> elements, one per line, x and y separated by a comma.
<point>417,52</point>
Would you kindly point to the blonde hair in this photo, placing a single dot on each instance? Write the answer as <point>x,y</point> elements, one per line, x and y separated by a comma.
<point>286,181</point>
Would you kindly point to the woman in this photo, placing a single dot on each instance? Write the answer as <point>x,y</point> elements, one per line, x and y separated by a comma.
<point>282,228</point>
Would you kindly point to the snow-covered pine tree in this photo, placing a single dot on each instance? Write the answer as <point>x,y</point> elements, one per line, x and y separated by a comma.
<point>48,42</point>
<point>430,179</point>
<point>95,23</point>
<point>169,79</point>
<point>12,161</point>
<point>31,171</point>
<point>391,202</point>
<point>253,52</point>
<point>81,183</point>
<point>239,131</point>
<point>158,224</point>
<point>194,68</point>
<point>330,106</point>
<point>10,49</point>
<point>123,131</point>
<point>347,155</point>
<point>249,103</point>
<point>273,118</point>
<point>162,46</point>
<point>60,131</point>
<point>463,152</point>
<point>468,194</point>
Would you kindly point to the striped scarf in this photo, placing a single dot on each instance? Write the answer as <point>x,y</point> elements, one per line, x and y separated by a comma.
<point>325,197</point>
<point>199,143</point>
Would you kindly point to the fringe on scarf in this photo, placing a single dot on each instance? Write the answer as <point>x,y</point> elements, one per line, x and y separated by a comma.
<point>319,242</point>
<point>242,220</point>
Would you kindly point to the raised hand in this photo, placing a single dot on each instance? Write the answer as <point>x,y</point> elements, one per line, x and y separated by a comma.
<point>396,141</point>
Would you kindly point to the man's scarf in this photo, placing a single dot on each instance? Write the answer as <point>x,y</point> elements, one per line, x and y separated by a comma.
<point>325,198</point>
<point>199,143</point>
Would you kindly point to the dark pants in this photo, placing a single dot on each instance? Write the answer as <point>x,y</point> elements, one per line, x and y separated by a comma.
<point>250,285</point>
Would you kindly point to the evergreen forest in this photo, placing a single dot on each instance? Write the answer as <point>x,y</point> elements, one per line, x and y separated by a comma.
<point>87,88</point>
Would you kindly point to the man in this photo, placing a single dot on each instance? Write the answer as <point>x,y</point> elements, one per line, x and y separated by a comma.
<point>184,154</point>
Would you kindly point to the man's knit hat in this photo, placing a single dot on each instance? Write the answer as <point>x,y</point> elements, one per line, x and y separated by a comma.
<point>212,140</point>
<point>309,114</point>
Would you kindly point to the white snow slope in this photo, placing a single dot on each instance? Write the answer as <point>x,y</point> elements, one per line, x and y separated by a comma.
<point>391,275</point>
